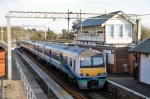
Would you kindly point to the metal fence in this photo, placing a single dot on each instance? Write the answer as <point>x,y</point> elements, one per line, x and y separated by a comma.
<point>30,94</point>
<point>121,92</point>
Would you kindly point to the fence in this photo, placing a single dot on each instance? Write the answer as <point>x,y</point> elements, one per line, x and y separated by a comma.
<point>121,92</point>
<point>30,94</point>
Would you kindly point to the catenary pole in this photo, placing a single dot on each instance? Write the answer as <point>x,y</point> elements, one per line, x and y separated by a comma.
<point>68,22</point>
<point>9,51</point>
<point>2,33</point>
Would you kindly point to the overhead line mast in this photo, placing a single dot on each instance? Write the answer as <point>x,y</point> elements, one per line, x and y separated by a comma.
<point>64,15</point>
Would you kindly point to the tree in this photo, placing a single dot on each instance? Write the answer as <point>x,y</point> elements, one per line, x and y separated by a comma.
<point>64,32</point>
<point>51,34</point>
<point>75,23</point>
<point>145,32</point>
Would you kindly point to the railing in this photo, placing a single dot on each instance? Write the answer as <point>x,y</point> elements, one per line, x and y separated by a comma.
<point>90,36</point>
<point>30,94</point>
<point>121,92</point>
<point>99,37</point>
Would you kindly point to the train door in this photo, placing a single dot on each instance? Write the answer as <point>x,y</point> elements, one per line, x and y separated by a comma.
<point>60,60</point>
<point>38,53</point>
<point>33,49</point>
<point>74,67</point>
<point>50,55</point>
<point>28,46</point>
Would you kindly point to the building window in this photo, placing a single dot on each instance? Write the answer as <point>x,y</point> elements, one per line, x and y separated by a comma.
<point>110,30</point>
<point>127,30</point>
<point>118,31</point>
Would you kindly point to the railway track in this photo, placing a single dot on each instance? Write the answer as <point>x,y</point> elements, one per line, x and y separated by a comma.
<point>75,92</point>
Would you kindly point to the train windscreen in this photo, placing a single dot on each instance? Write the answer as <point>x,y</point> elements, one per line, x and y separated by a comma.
<point>92,62</point>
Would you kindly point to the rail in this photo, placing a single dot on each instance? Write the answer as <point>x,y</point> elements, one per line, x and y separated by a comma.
<point>28,90</point>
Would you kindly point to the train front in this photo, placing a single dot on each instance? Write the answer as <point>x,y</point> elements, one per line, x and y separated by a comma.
<point>92,70</point>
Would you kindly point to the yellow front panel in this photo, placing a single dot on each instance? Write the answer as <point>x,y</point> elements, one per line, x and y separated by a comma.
<point>92,71</point>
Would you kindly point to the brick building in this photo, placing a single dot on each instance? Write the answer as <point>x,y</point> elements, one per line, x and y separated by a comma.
<point>142,61</point>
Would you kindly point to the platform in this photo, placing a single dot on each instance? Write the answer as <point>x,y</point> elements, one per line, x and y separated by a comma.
<point>16,90</point>
<point>54,87</point>
<point>23,85</point>
<point>127,80</point>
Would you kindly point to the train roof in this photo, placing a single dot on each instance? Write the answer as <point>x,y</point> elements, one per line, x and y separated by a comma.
<point>42,43</point>
<point>64,48</point>
<point>77,49</point>
<point>27,40</point>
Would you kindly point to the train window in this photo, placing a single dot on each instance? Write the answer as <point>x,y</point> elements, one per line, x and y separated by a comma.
<point>65,60</point>
<point>86,61</point>
<point>40,49</point>
<point>98,61</point>
<point>36,48</point>
<point>32,46</point>
<point>47,52</point>
<point>92,61</point>
<point>55,56</point>
<point>71,62</point>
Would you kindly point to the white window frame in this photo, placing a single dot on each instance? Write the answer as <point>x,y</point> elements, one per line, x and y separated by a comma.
<point>117,32</point>
<point>126,33</point>
<point>108,31</point>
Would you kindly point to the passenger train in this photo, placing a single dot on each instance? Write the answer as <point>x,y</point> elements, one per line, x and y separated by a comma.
<point>84,66</point>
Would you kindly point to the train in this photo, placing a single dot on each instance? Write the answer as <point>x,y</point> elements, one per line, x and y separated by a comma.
<point>85,67</point>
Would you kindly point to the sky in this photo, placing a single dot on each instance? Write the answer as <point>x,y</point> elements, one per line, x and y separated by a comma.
<point>140,7</point>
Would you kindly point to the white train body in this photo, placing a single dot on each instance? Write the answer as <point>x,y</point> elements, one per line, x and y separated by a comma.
<point>86,66</point>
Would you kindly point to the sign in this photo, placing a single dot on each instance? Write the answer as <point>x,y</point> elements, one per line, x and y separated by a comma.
<point>111,58</point>
<point>106,51</point>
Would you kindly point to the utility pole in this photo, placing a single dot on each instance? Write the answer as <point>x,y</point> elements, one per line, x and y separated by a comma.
<point>9,51</point>
<point>68,22</point>
<point>45,34</point>
<point>2,33</point>
<point>80,21</point>
<point>80,34</point>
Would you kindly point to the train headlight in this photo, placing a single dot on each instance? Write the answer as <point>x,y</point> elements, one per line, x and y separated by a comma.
<point>101,74</point>
<point>85,74</point>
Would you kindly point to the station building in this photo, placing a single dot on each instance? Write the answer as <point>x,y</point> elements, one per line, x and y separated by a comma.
<point>143,60</point>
